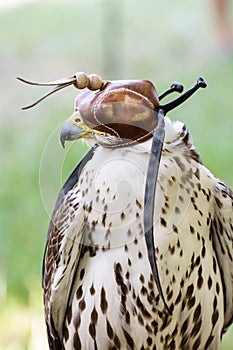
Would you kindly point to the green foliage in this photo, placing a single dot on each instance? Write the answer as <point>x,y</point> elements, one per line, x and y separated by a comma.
<point>48,40</point>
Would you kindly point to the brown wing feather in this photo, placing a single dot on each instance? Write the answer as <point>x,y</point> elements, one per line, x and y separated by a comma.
<point>57,268</point>
<point>222,228</point>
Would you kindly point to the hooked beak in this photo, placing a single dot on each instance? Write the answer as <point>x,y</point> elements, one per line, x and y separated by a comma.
<point>74,129</point>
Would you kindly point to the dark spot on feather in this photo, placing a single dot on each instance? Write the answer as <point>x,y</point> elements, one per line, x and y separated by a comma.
<point>181,198</point>
<point>129,233</point>
<point>142,279</point>
<point>209,341</point>
<point>129,339</point>
<point>163,222</point>
<point>203,251</point>
<point>209,282</point>
<point>103,301</point>
<point>179,163</point>
<point>79,292</point>
<point>170,294</point>
<point>218,202</point>
<point>197,313</point>
<point>140,320</point>
<point>184,327</point>
<point>215,317</point>
<point>77,321</point>
<point>191,302</point>
<point>197,174</point>
<point>104,219</point>
<point>82,272</point>
<point>190,290</point>
<point>139,255</point>
<point>197,343</point>
<point>117,342</point>
<point>82,305</point>
<point>142,308</point>
<point>214,265</point>
<point>200,278</point>
<point>143,290</point>
<point>149,341</point>
<point>76,342</point>
<point>109,329</point>
<point>177,210</point>
<point>191,229</point>
<point>178,299</point>
<point>69,314</point>
<point>171,249</point>
<point>92,331</point>
<point>127,317</point>
<point>94,316</point>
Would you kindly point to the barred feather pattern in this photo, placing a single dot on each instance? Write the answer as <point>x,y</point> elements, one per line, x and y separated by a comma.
<point>99,291</point>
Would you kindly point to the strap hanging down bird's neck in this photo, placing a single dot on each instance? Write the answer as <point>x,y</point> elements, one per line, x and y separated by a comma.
<point>151,180</point>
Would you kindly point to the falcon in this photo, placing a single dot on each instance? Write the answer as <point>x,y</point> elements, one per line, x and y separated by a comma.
<point>139,253</point>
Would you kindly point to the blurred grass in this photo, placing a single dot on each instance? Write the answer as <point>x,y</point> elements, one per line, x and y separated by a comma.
<point>46,40</point>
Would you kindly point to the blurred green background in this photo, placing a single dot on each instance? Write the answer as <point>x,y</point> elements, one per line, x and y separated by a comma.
<point>162,41</point>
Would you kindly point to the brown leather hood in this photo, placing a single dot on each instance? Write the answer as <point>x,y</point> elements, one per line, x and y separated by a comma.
<point>125,109</point>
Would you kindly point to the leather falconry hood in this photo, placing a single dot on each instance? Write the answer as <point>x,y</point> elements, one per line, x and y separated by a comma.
<point>124,109</point>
